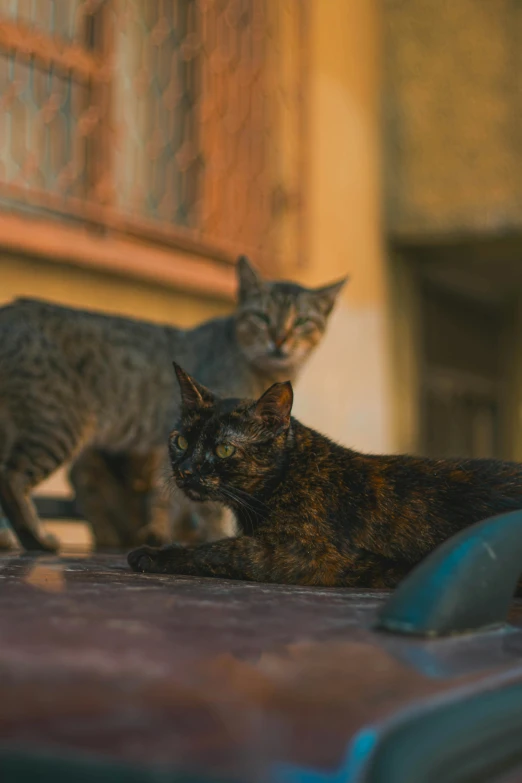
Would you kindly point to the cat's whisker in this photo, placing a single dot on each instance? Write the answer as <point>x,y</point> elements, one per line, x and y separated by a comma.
<point>244,502</point>
<point>255,501</point>
<point>169,486</point>
<point>227,493</point>
<point>253,514</point>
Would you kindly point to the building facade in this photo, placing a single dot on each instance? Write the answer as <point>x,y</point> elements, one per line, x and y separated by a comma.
<point>144,145</point>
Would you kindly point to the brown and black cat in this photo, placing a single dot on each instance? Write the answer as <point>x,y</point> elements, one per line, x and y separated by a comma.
<point>312,512</point>
<point>98,391</point>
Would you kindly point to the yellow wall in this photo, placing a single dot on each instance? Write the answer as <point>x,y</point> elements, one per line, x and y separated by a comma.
<point>345,390</point>
<point>84,288</point>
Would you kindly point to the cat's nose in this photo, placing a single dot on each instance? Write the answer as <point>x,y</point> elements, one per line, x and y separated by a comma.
<point>279,341</point>
<point>186,469</point>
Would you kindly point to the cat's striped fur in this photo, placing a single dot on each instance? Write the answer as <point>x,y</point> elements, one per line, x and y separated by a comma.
<point>99,390</point>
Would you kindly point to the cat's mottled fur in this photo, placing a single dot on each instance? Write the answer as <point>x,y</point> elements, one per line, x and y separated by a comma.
<point>99,390</point>
<point>312,512</point>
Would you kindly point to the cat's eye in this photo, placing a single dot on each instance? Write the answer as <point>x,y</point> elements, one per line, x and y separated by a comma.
<point>262,317</point>
<point>301,321</point>
<point>182,443</point>
<point>225,450</point>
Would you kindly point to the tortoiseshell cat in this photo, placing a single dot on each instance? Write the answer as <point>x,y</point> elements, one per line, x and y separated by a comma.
<point>312,512</point>
<point>98,390</point>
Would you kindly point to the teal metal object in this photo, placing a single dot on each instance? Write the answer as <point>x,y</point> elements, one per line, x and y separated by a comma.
<point>465,585</point>
<point>473,737</point>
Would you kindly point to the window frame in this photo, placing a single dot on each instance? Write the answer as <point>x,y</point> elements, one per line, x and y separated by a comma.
<point>95,215</point>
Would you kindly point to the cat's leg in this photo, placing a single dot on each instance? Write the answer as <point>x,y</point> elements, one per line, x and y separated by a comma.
<point>8,540</point>
<point>232,558</point>
<point>21,513</point>
<point>117,493</point>
<point>32,451</point>
<point>100,496</point>
<point>246,557</point>
<point>254,559</point>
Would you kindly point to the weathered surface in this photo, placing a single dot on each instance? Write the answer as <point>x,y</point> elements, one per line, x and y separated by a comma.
<point>452,117</point>
<point>206,674</point>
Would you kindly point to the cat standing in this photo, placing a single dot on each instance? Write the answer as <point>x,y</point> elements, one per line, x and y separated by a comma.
<point>312,512</point>
<point>98,390</point>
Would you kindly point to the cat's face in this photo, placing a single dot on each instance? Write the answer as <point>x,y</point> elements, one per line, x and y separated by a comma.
<point>278,324</point>
<point>227,449</point>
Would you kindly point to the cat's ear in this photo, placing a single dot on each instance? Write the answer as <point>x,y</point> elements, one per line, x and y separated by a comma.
<point>275,405</point>
<point>193,394</point>
<point>326,296</point>
<point>249,280</point>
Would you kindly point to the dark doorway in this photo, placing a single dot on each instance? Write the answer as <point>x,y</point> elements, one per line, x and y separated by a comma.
<point>459,313</point>
<point>461,374</point>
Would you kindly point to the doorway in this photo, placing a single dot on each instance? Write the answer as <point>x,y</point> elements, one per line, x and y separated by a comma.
<point>458,358</point>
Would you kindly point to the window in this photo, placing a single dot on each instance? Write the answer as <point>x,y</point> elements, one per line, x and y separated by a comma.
<point>176,120</point>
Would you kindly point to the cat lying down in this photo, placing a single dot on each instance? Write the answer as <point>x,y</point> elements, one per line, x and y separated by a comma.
<point>312,512</point>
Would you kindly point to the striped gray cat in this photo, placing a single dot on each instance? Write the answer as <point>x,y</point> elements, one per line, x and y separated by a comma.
<point>98,391</point>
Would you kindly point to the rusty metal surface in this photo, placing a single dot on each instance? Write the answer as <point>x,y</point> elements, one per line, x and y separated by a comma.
<point>515,777</point>
<point>208,674</point>
<point>178,120</point>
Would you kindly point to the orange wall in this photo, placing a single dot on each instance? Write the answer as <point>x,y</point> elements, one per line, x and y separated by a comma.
<point>345,390</point>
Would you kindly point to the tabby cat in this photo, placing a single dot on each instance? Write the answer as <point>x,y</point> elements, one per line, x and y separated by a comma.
<point>310,511</point>
<point>98,390</point>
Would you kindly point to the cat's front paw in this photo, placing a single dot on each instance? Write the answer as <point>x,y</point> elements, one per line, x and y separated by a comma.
<point>50,543</point>
<point>167,560</point>
<point>44,543</point>
<point>143,559</point>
